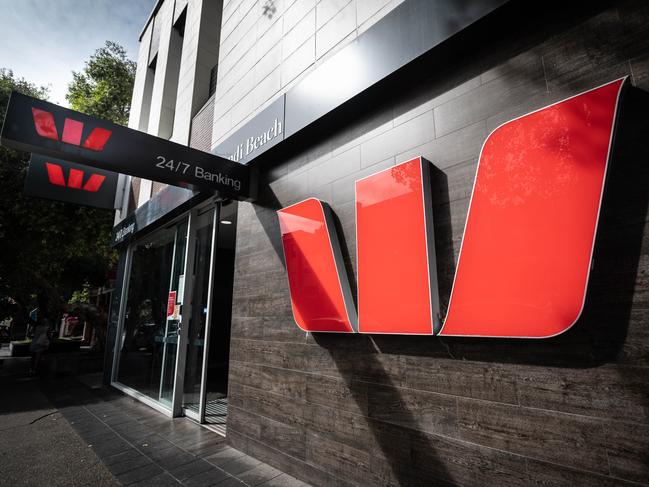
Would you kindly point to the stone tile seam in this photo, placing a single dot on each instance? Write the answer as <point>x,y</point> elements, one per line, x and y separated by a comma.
<point>235,30</point>
<point>484,83</point>
<point>248,118</point>
<point>234,64</point>
<point>334,15</point>
<point>307,401</point>
<point>431,109</point>
<point>138,449</point>
<point>633,80</point>
<point>306,168</point>
<point>284,454</point>
<point>342,42</point>
<point>622,478</point>
<point>595,419</point>
<point>285,83</point>
<point>305,461</point>
<point>260,464</point>
<point>445,437</point>
<point>507,109</point>
<point>608,461</point>
<point>545,75</point>
<point>271,47</point>
<point>295,25</point>
<point>260,484</point>
<point>225,7</point>
<point>307,70</point>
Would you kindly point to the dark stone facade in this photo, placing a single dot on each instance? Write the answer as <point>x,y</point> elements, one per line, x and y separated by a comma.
<point>388,410</point>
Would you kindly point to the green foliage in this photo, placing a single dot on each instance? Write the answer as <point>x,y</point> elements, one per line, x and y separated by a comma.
<point>80,296</point>
<point>47,247</point>
<point>103,89</point>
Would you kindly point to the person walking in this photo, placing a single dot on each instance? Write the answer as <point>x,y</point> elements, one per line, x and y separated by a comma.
<point>40,342</point>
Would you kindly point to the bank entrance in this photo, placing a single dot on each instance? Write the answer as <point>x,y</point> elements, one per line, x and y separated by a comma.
<point>172,350</point>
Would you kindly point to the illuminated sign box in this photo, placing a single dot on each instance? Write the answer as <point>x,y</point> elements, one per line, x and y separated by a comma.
<point>38,126</point>
<point>66,181</point>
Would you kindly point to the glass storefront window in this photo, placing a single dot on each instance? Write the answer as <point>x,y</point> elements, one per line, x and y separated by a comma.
<point>175,327</point>
<point>148,340</point>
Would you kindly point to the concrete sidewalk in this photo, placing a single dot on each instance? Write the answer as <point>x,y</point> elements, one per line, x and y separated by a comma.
<point>37,445</point>
<point>60,431</point>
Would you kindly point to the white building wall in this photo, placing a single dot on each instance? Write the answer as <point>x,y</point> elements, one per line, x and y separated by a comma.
<point>165,82</point>
<point>263,48</point>
<point>267,46</point>
<point>140,108</point>
<point>200,53</point>
<point>160,120</point>
<point>138,105</point>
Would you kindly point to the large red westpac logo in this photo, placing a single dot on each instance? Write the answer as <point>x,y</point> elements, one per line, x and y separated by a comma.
<point>526,251</point>
<point>72,131</point>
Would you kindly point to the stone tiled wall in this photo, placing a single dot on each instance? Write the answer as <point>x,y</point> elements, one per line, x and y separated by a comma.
<point>269,45</point>
<point>390,410</point>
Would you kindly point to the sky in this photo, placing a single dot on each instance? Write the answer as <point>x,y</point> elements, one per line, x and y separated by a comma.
<point>43,41</point>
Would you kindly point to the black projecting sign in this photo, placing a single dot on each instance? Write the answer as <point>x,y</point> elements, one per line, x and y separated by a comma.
<point>60,180</point>
<point>38,126</point>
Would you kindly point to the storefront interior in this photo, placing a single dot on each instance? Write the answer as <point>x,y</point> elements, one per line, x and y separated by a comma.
<point>174,326</point>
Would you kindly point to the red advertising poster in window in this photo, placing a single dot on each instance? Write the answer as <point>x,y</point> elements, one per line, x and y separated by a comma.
<point>171,304</point>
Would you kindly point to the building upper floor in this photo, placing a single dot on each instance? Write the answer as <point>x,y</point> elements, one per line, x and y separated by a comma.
<point>207,67</point>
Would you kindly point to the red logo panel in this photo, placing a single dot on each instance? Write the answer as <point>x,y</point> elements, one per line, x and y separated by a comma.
<point>75,178</point>
<point>320,292</point>
<point>72,130</point>
<point>527,246</point>
<point>394,285</point>
<point>528,241</point>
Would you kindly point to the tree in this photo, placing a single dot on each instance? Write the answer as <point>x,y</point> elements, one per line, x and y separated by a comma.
<point>103,89</point>
<point>50,248</point>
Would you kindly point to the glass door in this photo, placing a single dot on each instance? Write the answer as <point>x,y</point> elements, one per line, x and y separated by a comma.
<point>208,336</point>
<point>214,400</point>
<point>145,358</point>
<point>169,340</point>
<point>196,334</point>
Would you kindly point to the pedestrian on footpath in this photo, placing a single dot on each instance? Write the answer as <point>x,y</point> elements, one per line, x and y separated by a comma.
<point>41,338</point>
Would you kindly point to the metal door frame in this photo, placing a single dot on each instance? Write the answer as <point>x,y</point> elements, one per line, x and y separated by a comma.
<point>216,215</point>
<point>164,338</point>
<point>185,316</point>
<point>175,409</point>
<point>216,218</point>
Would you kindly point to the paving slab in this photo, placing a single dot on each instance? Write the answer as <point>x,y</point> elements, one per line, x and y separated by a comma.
<point>258,475</point>
<point>71,431</point>
<point>37,444</point>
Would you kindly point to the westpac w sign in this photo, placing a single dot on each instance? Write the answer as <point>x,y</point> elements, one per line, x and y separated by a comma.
<point>61,180</point>
<point>38,126</point>
<point>526,251</point>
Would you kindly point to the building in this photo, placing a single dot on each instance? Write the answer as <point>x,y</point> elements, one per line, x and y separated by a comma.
<point>316,95</point>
